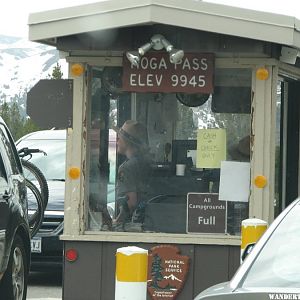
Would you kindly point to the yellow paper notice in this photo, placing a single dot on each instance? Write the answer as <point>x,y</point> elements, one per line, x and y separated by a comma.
<point>211,148</point>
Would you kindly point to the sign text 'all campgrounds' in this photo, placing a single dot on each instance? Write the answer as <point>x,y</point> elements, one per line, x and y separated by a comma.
<point>155,73</point>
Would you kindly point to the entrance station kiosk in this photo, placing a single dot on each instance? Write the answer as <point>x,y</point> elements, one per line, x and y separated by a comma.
<point>217,89</point>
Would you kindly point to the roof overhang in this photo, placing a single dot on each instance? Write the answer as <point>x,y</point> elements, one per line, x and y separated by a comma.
<point>49,25</point>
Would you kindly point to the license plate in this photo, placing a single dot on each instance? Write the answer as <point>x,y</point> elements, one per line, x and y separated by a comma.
<point>36,245</point>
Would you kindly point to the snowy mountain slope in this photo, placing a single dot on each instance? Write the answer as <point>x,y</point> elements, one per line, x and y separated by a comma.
<point>22,64</point>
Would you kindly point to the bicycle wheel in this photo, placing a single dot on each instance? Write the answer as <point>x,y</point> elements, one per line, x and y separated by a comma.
<point>35,175</point>
<point>35,219</point>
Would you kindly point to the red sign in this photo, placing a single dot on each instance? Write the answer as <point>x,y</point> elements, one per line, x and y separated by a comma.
<point>155,73</point>
<point>167,271</point>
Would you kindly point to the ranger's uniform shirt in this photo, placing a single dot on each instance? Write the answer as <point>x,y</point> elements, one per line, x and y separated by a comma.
<point>133,177</point>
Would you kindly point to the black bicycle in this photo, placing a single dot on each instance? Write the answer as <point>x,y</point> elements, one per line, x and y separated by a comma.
<point>37,187</point>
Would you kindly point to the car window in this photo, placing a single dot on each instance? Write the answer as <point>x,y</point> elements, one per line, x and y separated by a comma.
<point>278,264</point>
<point>10,150</point>
<point>13,151</point>
<point>96,186</point>
<point>3,177</point>
<point>53,164</point>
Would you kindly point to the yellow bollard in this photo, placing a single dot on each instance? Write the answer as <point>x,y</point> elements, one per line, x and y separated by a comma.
<point>252,230</point>
<point>131,273</point>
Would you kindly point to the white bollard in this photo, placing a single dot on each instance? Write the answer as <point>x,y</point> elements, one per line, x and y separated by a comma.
<point>131,273</point>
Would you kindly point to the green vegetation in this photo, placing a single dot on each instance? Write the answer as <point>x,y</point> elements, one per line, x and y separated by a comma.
<point>13,114</point>
<point>17,124</point>
<point>56,72</point>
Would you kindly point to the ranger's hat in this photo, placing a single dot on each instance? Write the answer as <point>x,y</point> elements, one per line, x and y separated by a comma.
<point>241,151</point>
<point>134,132</point>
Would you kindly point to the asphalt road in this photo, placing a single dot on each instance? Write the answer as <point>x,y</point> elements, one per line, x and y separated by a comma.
<point>45,286</point>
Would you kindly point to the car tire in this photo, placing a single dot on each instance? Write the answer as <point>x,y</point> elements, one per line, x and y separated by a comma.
<point>14,282</point>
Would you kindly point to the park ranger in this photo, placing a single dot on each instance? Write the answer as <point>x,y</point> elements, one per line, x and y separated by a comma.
<point>133,174</point>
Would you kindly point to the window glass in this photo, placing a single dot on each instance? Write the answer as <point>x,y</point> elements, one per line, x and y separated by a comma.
<point>281,98</point>
<point>52,163</point>
<point>4,206</point>
<point>137,142</point>
<point>8,154</point>
<point>278,263</point>
<point>3,177</point>
<point>13,151</point>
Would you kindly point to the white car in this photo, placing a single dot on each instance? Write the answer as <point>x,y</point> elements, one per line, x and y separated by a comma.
<point>46,247</point>
<point>272,269</point>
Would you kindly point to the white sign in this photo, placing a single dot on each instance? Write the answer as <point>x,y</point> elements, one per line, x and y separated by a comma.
<point>234,181</point>
<point>36,245</point>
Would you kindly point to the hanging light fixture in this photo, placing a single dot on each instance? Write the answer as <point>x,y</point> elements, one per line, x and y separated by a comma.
<point>157,42</point>
<point>133,57</point>
<point>176,55</point>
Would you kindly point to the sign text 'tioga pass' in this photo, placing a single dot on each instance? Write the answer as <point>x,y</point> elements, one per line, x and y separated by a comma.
<point>155,73</point>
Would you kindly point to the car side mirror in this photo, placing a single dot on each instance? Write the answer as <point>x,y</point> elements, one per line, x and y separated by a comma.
<point>247,250</point>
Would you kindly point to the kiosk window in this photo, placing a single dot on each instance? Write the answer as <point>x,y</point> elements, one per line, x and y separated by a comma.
<point>148,151</point>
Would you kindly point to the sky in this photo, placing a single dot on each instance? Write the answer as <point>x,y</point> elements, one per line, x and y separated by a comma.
<point>14,13</point>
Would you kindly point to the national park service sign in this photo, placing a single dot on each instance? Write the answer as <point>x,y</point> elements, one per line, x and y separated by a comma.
<point>167,272</point>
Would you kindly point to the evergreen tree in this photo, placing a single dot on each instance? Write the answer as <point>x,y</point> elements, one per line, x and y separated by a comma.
<point>16,121</point>
<point>56,73</point>
<point>17,124</point>
<point>156,271</point>
<point>30,126</point>
<point>185,128</point>
<point>5,113</point>
<point>13,115</point>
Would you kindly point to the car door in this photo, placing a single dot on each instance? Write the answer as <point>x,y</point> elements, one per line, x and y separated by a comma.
<point>13,167</point>
<point>12,188</point>
<point>4,206</point>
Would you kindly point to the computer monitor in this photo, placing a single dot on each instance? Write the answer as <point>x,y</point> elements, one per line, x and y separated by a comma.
<point>181,151</point>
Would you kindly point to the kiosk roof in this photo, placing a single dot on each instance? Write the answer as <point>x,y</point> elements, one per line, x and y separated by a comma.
<point>46,26</point>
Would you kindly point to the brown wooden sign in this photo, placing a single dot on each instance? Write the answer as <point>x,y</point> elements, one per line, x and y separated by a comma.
<point>205,213</point>
<point>155,73</point>
<point>167,272</point>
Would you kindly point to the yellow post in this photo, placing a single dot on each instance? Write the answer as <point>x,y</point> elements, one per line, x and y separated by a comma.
<point>131,273</point>
<point>252,230</point>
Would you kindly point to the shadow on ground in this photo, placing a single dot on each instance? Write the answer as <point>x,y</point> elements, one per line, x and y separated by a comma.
<point>45,278</point>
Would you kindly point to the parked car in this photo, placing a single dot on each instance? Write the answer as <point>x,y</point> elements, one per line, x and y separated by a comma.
<point>14,228</point>
<point>46,247</point>
<point>272,269</point>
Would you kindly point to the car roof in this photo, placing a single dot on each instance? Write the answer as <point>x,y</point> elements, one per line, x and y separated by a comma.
<point>45,135</point>
<point>57,134</point>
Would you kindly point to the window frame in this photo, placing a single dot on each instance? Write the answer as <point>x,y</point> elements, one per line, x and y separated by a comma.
<point>257,197</point>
